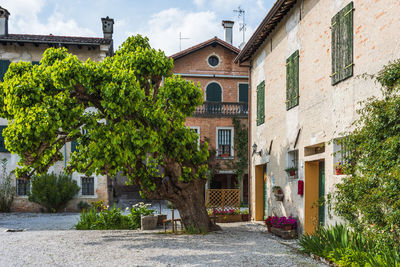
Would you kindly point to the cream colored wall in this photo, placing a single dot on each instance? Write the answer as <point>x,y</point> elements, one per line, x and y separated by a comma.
<point>30,52</point>
<point>324,111</point>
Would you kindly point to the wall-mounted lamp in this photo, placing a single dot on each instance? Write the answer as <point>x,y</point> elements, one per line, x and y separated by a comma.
<point>255,150</point>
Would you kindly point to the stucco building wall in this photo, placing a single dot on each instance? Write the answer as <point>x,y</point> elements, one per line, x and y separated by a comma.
<point>324,111</point>
<point>31,52</point>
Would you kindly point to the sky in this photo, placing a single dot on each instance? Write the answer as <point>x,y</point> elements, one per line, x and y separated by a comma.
<point>160,20</point>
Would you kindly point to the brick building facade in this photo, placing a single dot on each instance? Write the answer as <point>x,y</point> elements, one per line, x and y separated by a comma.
<point>225,90</point>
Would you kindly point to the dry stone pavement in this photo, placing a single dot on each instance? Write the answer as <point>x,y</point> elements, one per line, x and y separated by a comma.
<point>239,244</point>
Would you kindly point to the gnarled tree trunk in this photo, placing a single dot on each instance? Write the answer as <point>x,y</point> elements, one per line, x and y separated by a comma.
<point>188,198</point>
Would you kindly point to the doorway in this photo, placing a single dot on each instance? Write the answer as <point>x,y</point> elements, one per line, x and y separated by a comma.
<point>261,200</point>
<point>314,213</point>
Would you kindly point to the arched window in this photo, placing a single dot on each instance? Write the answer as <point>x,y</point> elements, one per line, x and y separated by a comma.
<point>214,92</point>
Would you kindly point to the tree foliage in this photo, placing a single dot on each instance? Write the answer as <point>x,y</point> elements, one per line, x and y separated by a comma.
<point>369,197</point>
<point>127,114</point>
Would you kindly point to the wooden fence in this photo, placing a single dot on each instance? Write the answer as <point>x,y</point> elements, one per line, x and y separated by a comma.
<point>223,198</point>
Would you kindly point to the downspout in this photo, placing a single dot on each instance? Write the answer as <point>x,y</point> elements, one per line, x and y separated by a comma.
<point>65,157</point>
<point>249,198</point>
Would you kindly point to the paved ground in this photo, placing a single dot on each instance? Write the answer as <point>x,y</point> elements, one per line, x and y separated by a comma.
<point>239,244</point>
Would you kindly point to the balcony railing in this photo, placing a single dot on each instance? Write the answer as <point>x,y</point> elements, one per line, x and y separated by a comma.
<point>222,109</point>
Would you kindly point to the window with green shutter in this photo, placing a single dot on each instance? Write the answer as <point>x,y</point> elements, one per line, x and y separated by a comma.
<point>243,92</point>
<point>260,103</point>
<point>74,146</point>
<point>35,62</point>
<point>2,143</point>
<point>214,92</point>
<point>292,80</point>
<point>342,44</point>
<point>4,64</point>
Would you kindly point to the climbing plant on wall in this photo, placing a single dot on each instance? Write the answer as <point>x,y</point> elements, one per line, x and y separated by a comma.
<point>368,198</point>
<point>241,149</point>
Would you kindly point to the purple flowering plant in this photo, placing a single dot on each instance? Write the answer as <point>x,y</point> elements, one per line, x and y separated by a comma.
<point>280,222</point>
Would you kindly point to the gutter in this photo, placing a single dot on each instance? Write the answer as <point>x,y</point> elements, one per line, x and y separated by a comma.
<point>212,75</point>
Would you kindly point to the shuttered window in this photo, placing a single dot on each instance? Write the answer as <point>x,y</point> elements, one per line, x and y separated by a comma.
<point>292,80</point>
<point>225,143</point>
<point>260,103</point>
<point>35,62</point>
<point>4,64</point>
<point>214,92</point>
<point>243,92</point>
<point>342,44</point>
<point>2,143</point>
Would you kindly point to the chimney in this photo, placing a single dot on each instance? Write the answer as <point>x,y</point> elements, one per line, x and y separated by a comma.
<point>108,27</point>
<point>4,21</point>
<point>228,25</point>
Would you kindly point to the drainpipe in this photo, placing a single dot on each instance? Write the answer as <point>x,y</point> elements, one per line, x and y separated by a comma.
<point>249,198</point>
<point>65,157</point>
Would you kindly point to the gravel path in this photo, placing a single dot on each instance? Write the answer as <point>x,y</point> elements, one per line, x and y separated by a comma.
<point>239,244</point>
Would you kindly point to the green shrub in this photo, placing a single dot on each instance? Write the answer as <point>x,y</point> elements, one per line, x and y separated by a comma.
<point>53,191</point>
<point>348,248</point>
<point>83,205</point>
<point>112,219</point>
<point>7,190</point>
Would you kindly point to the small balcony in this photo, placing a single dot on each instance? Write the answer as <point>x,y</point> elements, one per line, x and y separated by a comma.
<point>222,109</point>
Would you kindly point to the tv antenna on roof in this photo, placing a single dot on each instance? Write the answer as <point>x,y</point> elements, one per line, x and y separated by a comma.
<point>180,41</point>
<point>240,11</point>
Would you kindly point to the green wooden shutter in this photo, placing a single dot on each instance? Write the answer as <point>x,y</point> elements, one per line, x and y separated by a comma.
<point>35,62</point>
<point>346,32</point>
<point>260,103</point>
<point>292,80</point>
<point>4,64</point>
<point>2,143</point>
<point>214,92</point>
<point>342,44</point>
<point>243,92</point>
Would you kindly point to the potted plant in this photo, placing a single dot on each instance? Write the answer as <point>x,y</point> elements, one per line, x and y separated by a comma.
<point>278,192</point>
<point>270,221</point>
<point>338,168</point>
<point>245,215</point>
<point>291,171</point>
<point>225,216</point>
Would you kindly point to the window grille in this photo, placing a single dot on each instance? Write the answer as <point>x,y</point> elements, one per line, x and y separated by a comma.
<point>23,187</point>
<point>225,143</point>
<point>87,186</point>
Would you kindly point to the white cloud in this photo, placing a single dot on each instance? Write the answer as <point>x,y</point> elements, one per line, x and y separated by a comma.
<point>199,3</point>
<point>164,27</point>
<point>24,18</point>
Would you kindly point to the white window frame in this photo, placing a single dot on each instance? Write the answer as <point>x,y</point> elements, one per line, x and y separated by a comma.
<point>232,140</point>
<point>289,164</point>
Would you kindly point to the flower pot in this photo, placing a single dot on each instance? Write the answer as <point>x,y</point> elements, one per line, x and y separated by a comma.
<point>269,228</point>
<point>287,227</point>
<point>279,197</point>
<point>339,171</point>
<point>225,155</point>
<point>292,173</point>
<point>149,222</point>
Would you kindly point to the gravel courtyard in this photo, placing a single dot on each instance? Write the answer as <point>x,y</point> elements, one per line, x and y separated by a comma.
<point>239,244</point>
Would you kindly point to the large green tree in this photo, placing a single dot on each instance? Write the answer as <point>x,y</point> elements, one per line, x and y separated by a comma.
<point>127,114</point>
<point>369,197</point>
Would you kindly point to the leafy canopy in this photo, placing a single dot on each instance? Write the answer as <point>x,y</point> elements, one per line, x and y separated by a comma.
<point>127,114</point>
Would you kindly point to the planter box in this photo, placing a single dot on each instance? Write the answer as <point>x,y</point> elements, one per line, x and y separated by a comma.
<point>149,222</point>
<point>285,234</point>
<point>228,218</point>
